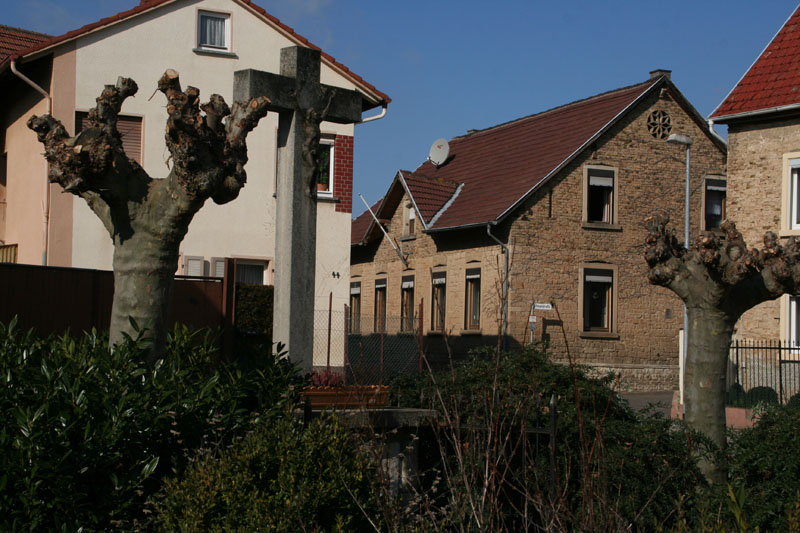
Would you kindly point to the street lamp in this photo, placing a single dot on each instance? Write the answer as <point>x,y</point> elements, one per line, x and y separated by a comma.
<point>676,138</point>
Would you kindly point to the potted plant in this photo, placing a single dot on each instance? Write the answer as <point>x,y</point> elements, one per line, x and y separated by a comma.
<point>328,389</point>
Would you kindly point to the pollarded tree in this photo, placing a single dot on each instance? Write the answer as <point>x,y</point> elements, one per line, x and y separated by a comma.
<point>148,218</point>
<point>718,279</point>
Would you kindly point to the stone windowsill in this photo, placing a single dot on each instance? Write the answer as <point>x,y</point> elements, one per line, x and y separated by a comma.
<point>327,199</point>
<point>471,332</point>
<point>219,53</point>
<point>604,226</point>
<point>786,233</point>
<point>608,335</point>
<point>411,237</point>
<point>435,333</point>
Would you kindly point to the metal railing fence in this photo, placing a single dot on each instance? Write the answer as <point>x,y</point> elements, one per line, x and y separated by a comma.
<point>762,372</point>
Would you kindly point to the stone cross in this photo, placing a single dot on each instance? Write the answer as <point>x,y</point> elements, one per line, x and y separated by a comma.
<point>302,103</point>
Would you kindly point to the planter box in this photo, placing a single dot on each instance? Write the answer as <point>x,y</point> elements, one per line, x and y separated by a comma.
<point>347,397</point>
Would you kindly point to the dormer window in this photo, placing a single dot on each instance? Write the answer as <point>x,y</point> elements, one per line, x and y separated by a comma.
<point>213,31</point>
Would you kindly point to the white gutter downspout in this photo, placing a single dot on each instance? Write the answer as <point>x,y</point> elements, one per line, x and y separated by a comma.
<point>714,133</point>
<point>375,117</point>
<point>46,207</point>
<point>505,282</point>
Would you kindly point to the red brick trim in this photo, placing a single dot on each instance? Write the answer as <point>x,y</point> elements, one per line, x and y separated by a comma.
<point>343,173</point>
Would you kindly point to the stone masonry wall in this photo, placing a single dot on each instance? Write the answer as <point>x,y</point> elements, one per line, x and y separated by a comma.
<point>549,243</point>
<point>755,195</point>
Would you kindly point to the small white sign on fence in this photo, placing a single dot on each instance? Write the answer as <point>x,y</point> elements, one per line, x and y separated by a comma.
<point>542,307</point>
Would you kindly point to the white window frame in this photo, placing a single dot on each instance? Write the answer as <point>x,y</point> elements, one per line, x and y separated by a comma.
<point>226,17</point>
<point>793,314</point>
<point>605,269</point>
<point>592,173</point>
<point>328,141</point>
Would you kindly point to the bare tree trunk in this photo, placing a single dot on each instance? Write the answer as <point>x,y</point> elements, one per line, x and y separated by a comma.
<point>718,279</point>
<point>709,339</point>
<point>148,218</point>
<point>143,282</point>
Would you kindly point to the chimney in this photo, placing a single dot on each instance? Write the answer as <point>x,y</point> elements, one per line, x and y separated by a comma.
<point>655,74</point>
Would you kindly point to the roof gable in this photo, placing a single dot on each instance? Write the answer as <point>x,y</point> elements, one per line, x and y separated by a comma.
<point>14,40</point>
<point>429,195</point>
<point>40,47</point>
<point>499,166</point>
<point>773,81</point>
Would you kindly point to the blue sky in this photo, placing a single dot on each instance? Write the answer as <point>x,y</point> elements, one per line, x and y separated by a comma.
<point>458,65</point>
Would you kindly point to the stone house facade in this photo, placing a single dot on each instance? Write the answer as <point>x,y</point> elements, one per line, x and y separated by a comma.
<point>762,113</point>
<point>565,191</point>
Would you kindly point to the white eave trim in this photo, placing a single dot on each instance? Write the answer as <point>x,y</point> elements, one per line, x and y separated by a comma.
<point>778,109</point>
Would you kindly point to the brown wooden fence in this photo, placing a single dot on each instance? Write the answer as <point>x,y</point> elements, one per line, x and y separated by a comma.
<point>57,299</point>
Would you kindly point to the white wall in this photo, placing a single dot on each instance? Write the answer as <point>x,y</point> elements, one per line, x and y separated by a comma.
<point>143,48</point>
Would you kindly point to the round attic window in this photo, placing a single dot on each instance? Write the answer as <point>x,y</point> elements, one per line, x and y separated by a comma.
<point>658,124</point>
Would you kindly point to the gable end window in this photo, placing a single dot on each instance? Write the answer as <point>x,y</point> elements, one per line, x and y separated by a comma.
<point>599,195</point>
<point>213,31</point>
<point>597,299</point>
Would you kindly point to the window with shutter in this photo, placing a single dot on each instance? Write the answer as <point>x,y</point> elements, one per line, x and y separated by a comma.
<point>130,130</point>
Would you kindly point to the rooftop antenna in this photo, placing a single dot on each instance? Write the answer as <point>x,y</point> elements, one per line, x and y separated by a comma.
<point>440,150</point>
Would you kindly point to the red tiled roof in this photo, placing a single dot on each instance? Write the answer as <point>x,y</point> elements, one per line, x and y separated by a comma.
<point>360,225</point>
<point>14,40</point>
<point>151,4</point>
<point>500,165</point>
<point>773,81</point>
<point>428,194</point>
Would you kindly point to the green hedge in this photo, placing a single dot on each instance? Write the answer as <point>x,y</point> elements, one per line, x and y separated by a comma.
<point>281,477</point>
<point>87,435</point>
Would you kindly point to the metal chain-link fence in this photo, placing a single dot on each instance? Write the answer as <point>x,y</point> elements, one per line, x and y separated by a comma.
<point>366,349</point>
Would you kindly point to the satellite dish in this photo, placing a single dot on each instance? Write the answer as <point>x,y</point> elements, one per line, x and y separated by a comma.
<point>439,152</point>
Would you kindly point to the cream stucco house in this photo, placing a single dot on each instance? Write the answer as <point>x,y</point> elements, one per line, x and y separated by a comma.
<point>206,41</point>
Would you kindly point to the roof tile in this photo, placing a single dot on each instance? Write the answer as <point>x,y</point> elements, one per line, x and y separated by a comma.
<point>500,165</point>
<point>14,40</point>
<point>773,80</point>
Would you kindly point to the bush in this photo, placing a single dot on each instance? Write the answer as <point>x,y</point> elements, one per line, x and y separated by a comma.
<point>86,435</point>
<point>761,395</point>
<point>765,462</point>
<point>279,478</point>
<point>615,467</point>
